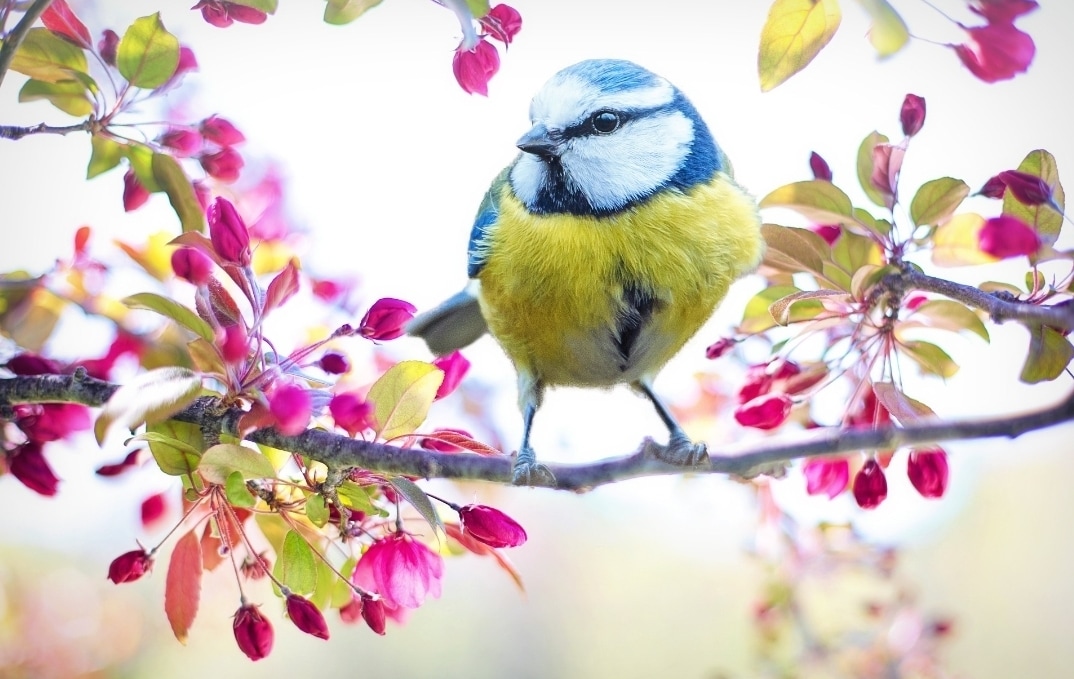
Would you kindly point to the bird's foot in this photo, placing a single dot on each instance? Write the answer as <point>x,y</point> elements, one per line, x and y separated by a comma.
<point>681,451</point>
<point>527,471</point>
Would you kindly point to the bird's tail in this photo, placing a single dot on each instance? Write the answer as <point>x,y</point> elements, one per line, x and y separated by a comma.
<point>454,324</point>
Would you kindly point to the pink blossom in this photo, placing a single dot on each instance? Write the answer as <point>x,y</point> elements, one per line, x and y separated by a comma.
<point>826,476</point>
<point>1027,189</point>
<point>995,52</point>
<point>43,423</point>
<point>491,526</point>
<point>374,614</point>
<point>401,570</point>
<point>350,412</point>
<point>502,23</point>
<point>767,411</point>
<point>870,485</point>
<point>291,405</point>
<point>134,193</point>
<point>1004,237</point>
<point>455,366</point>
<point>928,471</point>
<point>222,14</point>
<point>386,319</point>
<point>475,67</point>
<point>117,468</point>
<point>1004,11</point>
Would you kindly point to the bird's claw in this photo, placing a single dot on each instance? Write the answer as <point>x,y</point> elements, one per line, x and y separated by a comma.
<point>527,471</point>
<point>683,452</point>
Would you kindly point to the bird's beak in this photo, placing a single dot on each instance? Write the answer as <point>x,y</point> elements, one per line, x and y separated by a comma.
<point>540,142</point>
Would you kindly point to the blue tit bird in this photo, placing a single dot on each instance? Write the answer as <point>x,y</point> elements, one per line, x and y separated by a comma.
<point>603,247</point>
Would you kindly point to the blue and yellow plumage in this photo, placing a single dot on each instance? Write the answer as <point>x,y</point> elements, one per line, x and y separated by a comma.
<point>604,246</point>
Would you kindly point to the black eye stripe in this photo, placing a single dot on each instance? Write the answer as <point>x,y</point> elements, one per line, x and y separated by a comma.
<point>584,127</point>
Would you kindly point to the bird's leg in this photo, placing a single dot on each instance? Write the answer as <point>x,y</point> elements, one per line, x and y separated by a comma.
<point>527,471</point>
<point>680,449</point>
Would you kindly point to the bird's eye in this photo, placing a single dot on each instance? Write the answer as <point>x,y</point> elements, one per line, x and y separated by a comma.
<point>604,122</point>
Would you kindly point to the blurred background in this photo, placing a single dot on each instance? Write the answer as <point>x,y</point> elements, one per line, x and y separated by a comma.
<point>383,160</point>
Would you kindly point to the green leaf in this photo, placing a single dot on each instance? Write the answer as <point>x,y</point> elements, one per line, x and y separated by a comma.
<point>947,314</point>
<point>182,586</point>
<point>793,34</point>
<point>327,583</point>
<point>173,310</point>
<point>317,510</point>
<point>339,12</point>
<point>794,250</point>
<point>756,316</point>
<point>937,200</point>
<point>236,491</point>
<point>888,33</point>
<point>296,566</point>
<point>852,251</point>
<point>70,96</point>
<point>170,176</point>
<point>224,459</point>
<point>865,167</point>
<point>45,56</point>
<point>931,358</point>
<point>1044,219</point>
<point>356,498</point>
<point>266,6</point>
<point>1049,355</point>
<point>478,8</point>
<point>402,396</point>
<point>819,201</point>
<point>176,446</point>
<point>781,308</point>
<point>906,410</point>
<point>418,499</point>
<point>955,243</point>
<point>151,397</point>
<point>148,54</point>
<point>141,160</point>
<point>104,155</point>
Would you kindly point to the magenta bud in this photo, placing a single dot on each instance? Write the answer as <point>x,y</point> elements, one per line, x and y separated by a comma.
<point>130,566</point>
<point>374,615</point>
<point>475,67</point>
<point>291,405</point>
<point>1027,189</point>
<point>491,526</point>
<point>386,319</point>
<point>228,232</point>
<point>28,464</point>
<point>182,141</point>
<point>134,194</point>
<point>107,46</point>
<point>253,632</point>
<point>870,485</point>
<point>826,476</point>
<point>192,265</point>
<point>819,166</point>
<point>221,131</point>
<point>912,115</point>
<point>767,411</point>
<point>719,347</point>
<point>224,165</point>
<point>350,412</point>
<point>502,23</point>
<point>1004,237</point>
<point>454,366</point>
<point>928,471</point>
<point>334,363</point>
<point>306,616</point>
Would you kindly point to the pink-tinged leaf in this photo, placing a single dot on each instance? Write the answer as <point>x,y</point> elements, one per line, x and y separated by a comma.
<point>454,441</point>
<point>781,308</point>
<point>865,167</point>
<point>148,54</point>
<point>817,200</point>
<point>949,315</point>
<point>182,587</point>
<point>59,19</point>
<point>282,287</point>
<point>794,250</point>
<point>151,397</point>
<point>793,34</point>
<point>906,410</point>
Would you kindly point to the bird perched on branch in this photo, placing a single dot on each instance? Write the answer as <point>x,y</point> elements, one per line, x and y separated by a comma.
<point>603,247</point>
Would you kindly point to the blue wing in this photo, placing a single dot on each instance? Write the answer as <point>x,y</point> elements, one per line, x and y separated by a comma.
<point>488,213</point>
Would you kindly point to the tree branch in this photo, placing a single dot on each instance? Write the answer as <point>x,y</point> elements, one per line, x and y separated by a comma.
<point>1060,316</point>
<point>339,452</point>
<point>18,34</point>
<point>16,132</point>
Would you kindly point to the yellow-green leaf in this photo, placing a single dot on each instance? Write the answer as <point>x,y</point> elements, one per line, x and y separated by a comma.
<point>937,200</point>
<point>223,459</point>
<point>317,510</point>
<point>820,201</point>
<point>105,154</point>
<point>781,308</point>
<point>794,250</point>
<point>179,190</point>
<point>141,160</point>
<point>356,498</point>
<point>903,408</point>
<point>955,243</point>
<point>1044,219</point>
<point>43,55</point>
<point>236,491</point>
<point>418,499</point>
<point>402,396</point>
<point>70,96</point>
<point>1049,355</point>
<point>176,446</point>
<point>339,12</point>
<point>793,34</point>
<point>865,167</point>
<point>756,316</point>
<point>148,54</point>
<point>266,6</point>
<point>947,314</point>
<point>296,565</point>
<point>151,397</point>
<point>888,33</point>
<point>173,310</point>
<point>930,358</point>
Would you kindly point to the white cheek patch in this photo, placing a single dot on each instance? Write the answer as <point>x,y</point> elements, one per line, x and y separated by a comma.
<point>613,170</point>
<point>527,177</point>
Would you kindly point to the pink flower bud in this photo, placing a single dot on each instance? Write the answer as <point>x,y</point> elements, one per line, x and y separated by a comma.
<point>42,423</point>
<point>350,412</point>
<point>454,366</point>
<point>764,412</point>
<point>224,165</point>
<point>130,566</point>
<point>887,164</point>
<point>829,232</point>
<point>306,616</point>
<point>870,485</point>
<point>187,62</point>
<point>228,232</point>
<point>373,614</point>
<point>819,166</point>
<point>719,348</point>
<point>912,115</point>
<point>1027,189</point>
<point>386,319</point>
<point>1004,237</point>
<point>134,194</point>
<point>826,476</point>
<point>153,508</point>
<point>245,14</point>
<point>29,363</point>
<point>502,22</point>
<point>59,19</point>
<point>928,470</point>
<point>233,343</point>
<point>334,364</point>
<point>107,46</point>
<point>996,52</point>
<point>220,131</point>
<point>912,302</point>
<point>351,612</point>
<point>253,632</point>
<point>291,405</point>
<point>27,464</point>
<point>182,141</point>
<point>115,469</point>
<point>1003,11</point>
<point>491,526</point>
<point>214,12</point>
<point>475,67</point>
<point>192,265</point>
<point>993,188</point>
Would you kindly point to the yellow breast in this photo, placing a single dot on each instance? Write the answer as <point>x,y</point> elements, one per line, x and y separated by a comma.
<point>553,286</point>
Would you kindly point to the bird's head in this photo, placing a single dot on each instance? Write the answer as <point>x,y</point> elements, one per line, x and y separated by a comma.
<point>607,134</point>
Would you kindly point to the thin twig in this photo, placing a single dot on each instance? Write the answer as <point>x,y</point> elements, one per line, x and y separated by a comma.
<point>18,34</point>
